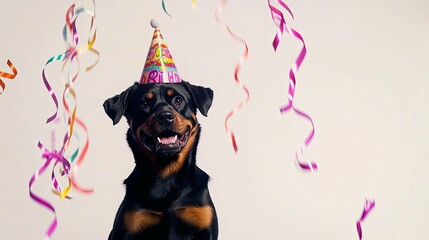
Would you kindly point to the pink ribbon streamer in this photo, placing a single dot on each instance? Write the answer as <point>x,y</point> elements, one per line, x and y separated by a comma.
<point>368,207</point>
<point>79,161</point>
<point>237,70</point>
<point>280,21</point>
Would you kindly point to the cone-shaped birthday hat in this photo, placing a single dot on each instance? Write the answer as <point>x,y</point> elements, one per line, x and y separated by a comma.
<point>159,66</point>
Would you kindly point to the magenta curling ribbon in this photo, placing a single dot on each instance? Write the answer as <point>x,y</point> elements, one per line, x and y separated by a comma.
<point>280,21</point>
<point>369,205</point>
<point>42,201</point>
<point>237,70</point>
<point>48,156</point>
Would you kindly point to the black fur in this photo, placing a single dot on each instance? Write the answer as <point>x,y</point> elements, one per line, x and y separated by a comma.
<point>166,190</point>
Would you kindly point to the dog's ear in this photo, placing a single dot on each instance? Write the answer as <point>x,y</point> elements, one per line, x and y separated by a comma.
<point>115,106</point>
<point>202,97</point>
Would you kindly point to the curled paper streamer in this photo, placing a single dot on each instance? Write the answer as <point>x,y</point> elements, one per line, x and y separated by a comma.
<point>7,75</point>
<point>71,55</point>
<point>194,4</point>
<point>280,21</point>
<point>70,30</point>
<point>59,57</point>
<point>67,166</point>
<point>163,7</point>
<point>42,201</point>
<point>237,70</point>
<point>369,205</point>
<point>79,161</point>
<point>49,156</point>
<point>81,157</point>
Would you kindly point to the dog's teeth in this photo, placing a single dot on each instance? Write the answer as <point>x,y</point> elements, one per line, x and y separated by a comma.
<point>167,140</point>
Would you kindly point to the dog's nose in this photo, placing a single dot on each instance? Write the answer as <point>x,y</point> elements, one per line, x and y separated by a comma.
<point>164,117</point>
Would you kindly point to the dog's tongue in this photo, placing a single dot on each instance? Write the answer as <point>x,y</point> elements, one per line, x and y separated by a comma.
<point>167,140</point>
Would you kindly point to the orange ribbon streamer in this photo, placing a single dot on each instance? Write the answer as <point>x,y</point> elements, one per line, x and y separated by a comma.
<point>7,75</point>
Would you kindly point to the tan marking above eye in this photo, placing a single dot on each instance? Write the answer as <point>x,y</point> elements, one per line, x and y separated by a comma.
<point>170,92</point>
<point>138,221</point>
<point>149,95</point>
<point>198,216</point>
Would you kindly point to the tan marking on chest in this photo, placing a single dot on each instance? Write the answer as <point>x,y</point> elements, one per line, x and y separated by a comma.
<point>138,221</point>
<point>200,217</point>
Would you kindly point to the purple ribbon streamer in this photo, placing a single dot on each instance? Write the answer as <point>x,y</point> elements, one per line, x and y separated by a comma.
<point>49,156</point>
<point>41,201</point>
<point>369,205</point>
<point>280,22</point>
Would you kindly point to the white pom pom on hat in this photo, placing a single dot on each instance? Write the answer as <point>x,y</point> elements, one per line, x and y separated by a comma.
<point>154,23</point>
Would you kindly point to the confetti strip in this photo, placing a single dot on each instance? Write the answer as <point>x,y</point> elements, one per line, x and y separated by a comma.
<point>280,21</point>
<point>238,67</point>
<point>369,205</point>
<point>7,75</point>
<point>163,7</point>
<point>194,4</point>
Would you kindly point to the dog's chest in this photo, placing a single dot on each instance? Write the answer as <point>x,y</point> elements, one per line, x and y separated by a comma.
<point>164,190</point>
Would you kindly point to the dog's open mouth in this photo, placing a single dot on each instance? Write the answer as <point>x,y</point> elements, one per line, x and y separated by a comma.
<point>166,141</point>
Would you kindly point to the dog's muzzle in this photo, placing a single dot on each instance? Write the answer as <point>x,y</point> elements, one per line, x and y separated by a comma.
<point>169,141</point>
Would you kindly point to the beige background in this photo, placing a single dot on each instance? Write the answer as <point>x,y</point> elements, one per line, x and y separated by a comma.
<point>364,82</point>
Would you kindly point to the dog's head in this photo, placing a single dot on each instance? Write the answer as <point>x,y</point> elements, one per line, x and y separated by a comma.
<point>162,117</point>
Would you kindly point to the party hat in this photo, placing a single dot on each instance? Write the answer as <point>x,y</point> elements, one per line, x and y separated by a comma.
<point>159,66</point>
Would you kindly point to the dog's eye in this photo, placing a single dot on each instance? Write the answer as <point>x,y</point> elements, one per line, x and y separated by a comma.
<point>144,104</point>
<point>177,100</point>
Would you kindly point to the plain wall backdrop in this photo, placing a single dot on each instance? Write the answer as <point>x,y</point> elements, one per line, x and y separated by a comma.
<point>364,82</point>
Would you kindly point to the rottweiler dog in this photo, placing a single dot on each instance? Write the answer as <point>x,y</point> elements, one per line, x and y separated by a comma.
<point>166,194</point>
